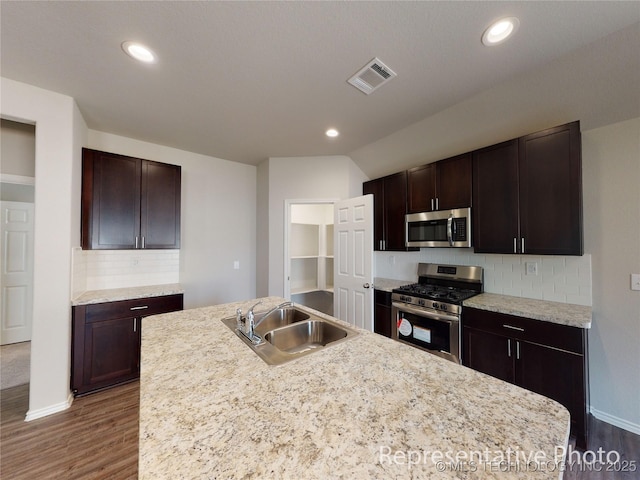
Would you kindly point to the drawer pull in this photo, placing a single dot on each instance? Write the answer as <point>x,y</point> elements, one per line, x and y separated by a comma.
<point>144,307</point>
<point>513,328</point>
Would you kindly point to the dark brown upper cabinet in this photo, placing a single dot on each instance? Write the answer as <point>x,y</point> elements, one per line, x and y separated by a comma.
<point>527,194</point>
<point>440,185</point>
<point>129,203</point>
<point>495,213</point>
<point>389,209</point>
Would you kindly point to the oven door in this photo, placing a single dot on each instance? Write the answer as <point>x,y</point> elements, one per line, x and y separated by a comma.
<point>428,329</point>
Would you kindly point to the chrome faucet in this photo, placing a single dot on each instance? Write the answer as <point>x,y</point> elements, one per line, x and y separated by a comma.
<point>250,324</point>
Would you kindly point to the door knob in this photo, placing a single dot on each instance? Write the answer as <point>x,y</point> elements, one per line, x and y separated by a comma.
<point>366,285</point>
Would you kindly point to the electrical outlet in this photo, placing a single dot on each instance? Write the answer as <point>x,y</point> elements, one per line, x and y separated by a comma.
<point>392,259</point>
<point>635,281</point>
<point>236,264</point>
<point>531,268</point>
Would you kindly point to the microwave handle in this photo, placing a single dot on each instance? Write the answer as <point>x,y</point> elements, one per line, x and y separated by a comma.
<point>449,230</point>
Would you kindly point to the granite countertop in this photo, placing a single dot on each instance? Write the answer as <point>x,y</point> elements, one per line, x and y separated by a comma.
<point>554,312</point>
<point>115,294</point>
<point>388,284</point>
<point>360,409</point>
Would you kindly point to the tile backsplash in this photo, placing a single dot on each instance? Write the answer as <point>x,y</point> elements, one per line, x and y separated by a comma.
<point>565,279</point>
<point>104,269</point>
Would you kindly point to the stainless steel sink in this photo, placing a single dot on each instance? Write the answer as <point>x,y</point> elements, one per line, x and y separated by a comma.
<point>289,333</point>
<point>278,318</point>
<point>305,336</point>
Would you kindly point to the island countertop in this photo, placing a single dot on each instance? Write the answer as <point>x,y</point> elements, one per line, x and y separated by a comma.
<point>369,407</point>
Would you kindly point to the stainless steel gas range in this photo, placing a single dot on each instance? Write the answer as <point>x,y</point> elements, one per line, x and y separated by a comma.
<point>427,314</point>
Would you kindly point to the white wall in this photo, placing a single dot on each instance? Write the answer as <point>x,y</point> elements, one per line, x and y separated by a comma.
<point>262,230</point>
<point>218,219</point>
<point>17,148</point>
<point>17,161</point>
<point>611,176</point>
<point>299,178</point>
<point>60,132</point>
<point>312,213</point>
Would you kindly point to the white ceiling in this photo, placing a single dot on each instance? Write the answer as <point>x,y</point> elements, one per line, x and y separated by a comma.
<point>245,81</point>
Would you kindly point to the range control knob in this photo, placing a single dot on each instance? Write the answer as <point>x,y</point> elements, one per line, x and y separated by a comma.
<point>421,302</point>
<point>435,305</point>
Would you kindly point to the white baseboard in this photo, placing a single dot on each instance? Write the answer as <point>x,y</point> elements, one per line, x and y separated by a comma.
<point>616,421</point>
<point>51,409</point>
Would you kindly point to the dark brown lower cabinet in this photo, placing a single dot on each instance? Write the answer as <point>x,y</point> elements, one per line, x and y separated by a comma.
<point>105,348</point>
<point>543,357</point>
<point>382,314</point>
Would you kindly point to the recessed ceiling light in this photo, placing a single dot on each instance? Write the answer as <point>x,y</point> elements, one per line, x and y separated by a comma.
<point>332,132</point>
<point>139,52</point>
<point>499,31</point>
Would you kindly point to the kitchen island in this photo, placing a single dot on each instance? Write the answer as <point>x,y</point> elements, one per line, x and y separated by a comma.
<point>368,407</point>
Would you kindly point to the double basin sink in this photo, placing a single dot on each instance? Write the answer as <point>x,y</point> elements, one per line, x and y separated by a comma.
<point>289,333</point>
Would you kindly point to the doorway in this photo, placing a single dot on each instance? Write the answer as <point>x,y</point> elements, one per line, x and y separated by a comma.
<point>17,194</point>
<point>309,253</point>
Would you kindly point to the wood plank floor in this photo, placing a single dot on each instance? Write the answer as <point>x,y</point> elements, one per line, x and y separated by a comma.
<point>97,438</point>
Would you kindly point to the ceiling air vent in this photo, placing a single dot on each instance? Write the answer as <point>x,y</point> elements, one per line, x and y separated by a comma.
<point>372,76</point>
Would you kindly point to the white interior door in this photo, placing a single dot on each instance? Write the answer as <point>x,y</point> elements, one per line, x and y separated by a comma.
<point>353,258</point>
<point>16,279</point>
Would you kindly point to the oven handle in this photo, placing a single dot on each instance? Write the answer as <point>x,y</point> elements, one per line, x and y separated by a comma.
<point>421,312</point>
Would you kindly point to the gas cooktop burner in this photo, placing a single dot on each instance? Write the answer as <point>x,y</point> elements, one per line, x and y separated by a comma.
<point>434,292</point>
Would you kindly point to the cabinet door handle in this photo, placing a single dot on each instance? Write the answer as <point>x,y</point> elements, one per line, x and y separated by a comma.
<point>517,350</point>
<point>509,347</point>
<point>143,242</point>
<point>437,203</point>
<point>136,241</point>
<point>515,245</point>
<point>135,324</point>
<point>513,328</point>
<point>142,307</point>
<point>432,205</point>
<point>522,244</point>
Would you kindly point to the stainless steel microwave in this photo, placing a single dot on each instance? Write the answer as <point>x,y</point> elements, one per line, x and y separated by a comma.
<point>444,228</point>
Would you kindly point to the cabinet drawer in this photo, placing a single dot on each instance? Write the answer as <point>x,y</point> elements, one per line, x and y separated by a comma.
<point>553,335</point>
<point>141,307</point>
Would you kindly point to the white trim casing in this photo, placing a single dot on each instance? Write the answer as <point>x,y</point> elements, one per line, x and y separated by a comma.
<point>616,421</point>
<point>43,412</point>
